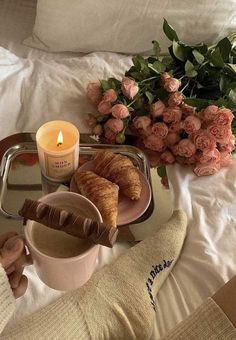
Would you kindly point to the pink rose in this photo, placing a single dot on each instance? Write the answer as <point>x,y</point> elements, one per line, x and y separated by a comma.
<point>172,138</point>
<point>186,148</point>
<point>187,110</point>
<point>220,132</point>
<point>206,169</point>
<point>104,107</point>
<point>172,114</point>
<point>167,158</point>
<point>226,159</point>
<point>174,149</point>
<point>90,120</point>
<point>191,124</point>
<point>155,143</point>
<point>175,99</point>
<point>120,111</point>
<point>129,88</point>
<point>160,129</point>
<point>115,125</point>
<point>171,84</point>
<point>156,109</point>
<point>164,76</point>
<point>153,156</point>
<point>110,96</point>
<point>228,146</point>
<point>94,92</point>
<point>209,113</point>
<point>190,160</point>
<point>142,122</point>
<point>208,156</point>
<point>203,140</point>
<point>176,127</point>
<point>110,136</point>
<point>97,130</point>
<point>223,117</point>
<point>145,133</point>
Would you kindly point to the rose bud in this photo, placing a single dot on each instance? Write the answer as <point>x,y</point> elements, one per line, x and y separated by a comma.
<point>94,92</point>
<point>120,111</point>
<point>129,88</point>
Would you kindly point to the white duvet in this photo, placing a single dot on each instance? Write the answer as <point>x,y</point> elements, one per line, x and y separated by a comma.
<point>36,90</point>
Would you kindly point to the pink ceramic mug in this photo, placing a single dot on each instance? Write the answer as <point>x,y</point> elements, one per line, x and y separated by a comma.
<point>64,273</point>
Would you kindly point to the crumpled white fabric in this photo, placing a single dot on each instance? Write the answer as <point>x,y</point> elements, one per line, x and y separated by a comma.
<point>208,258</point>
<point>34,91</point>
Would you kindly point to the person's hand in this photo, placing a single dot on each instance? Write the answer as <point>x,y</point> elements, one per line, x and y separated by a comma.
<point>13,259</point>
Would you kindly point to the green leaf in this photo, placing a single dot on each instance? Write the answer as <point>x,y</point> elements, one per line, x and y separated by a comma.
<point>149,96</point>
<point>233,67</point>
<point>136,75</point>
<point>136,63</point>
<point>105,85</point>
<point>198,56</point>
<point>190,69</point>
<point>158,66</point>
<point>232,96</point>
<point>161,170</point>
<point>169,31</point>
<point>202,48</point>
<point>143,62</point>
<point>141,65</point>
<point>114,84</point>
<point>216,58</point>
<point>224,83</point>
<point>162,94</point>
<point>232,38</point>
<point>178,51</point>
<point>151,59</point>
<point>166,61</point>
<point>138,104</point>
<point>230,71</point>
<point>156,48</point>
<point>225,47</point>
<point>231,86</point>
<point>197,102</point>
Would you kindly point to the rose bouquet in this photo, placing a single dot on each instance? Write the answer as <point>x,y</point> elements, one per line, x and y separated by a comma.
<point>178,108</point>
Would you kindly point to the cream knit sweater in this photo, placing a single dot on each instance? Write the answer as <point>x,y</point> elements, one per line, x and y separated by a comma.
<point>119,300</point>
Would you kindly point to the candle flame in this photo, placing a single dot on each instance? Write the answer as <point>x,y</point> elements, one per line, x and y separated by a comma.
<point>60,139</point>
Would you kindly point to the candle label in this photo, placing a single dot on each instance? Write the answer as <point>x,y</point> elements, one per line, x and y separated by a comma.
<point>59,166</point>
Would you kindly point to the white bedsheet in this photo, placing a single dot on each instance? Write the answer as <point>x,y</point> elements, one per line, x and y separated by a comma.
<point>50,89</point>
<point>34,91</point>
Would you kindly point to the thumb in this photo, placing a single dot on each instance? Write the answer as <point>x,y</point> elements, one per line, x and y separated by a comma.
<point>11,251</point>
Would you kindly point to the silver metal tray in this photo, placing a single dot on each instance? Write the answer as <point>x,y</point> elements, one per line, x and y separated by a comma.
<point>20,175</point>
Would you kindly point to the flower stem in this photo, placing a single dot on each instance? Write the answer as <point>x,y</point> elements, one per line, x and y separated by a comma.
<point>185,87</point>
<point>131,102</point>
<point>143,81</point>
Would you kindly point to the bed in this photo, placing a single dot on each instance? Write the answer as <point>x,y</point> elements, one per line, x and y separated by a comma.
<point>37,86</point>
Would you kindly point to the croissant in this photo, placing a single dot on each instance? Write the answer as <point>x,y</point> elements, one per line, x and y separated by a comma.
<point>120,170</point>
<point>103,193</point>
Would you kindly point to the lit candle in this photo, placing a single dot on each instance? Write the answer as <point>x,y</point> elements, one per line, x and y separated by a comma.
<point>58,149</point>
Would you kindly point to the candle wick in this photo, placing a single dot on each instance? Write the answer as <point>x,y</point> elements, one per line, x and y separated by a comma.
<point>59,144</point>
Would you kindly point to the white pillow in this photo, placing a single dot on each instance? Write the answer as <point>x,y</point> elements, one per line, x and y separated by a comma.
<point>127,26</point>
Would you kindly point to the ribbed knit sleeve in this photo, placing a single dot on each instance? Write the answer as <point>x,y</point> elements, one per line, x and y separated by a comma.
<point>61,320</point>
<point>207,322</point>
<point>7,300</point>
